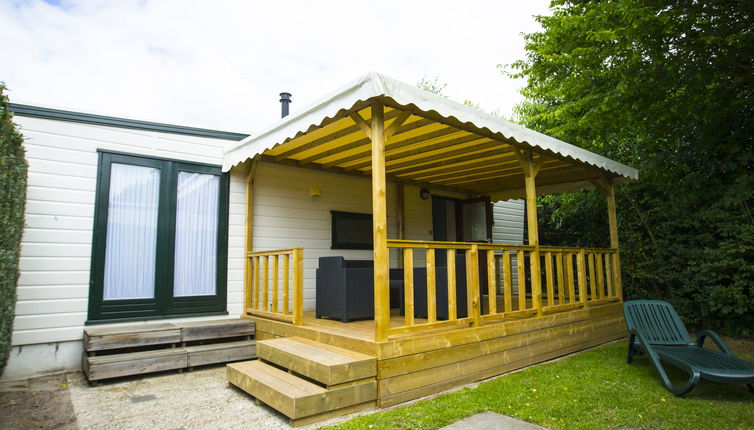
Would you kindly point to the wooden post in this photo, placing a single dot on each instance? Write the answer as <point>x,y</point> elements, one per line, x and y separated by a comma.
<point>507,282</point>
<point>379,226</point>
<point>431,287</point>
<point>298,286</point>
<point>549,278</point>
<point>408,285</point>
<point>491,283</point>
<point>401,218</point>
<point>472,285</point>
<point>531,168</point>
<point>613,224</point>
<point>275,274</point>
<point>581,268</point>
<point>266,277</point>
<point>248,240</point>
<point>286,283</point>
<point>452,305</point>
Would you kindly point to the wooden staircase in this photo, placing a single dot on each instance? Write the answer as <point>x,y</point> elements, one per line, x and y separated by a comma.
<point>307,381</point>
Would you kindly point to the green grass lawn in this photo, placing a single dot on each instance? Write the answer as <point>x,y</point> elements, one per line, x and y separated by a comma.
<point>595,389</point>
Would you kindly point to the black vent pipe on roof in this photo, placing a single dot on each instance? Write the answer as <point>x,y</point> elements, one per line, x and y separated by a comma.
<point>285,100</point>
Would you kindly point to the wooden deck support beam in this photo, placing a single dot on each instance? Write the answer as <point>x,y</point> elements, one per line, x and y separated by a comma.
<point>531,168</point>
<point>607,188</point>
<point>249,230</point>
<point>379,224</point>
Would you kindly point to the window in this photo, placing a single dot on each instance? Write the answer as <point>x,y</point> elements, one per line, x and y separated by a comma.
<point>160,239</point>
<point>351,230</point>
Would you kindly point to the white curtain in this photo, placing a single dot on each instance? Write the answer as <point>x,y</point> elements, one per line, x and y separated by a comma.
<point>196,222</point>
<point>131,232</point>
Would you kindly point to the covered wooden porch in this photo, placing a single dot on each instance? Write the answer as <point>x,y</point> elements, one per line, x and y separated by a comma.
<point>525,303</point>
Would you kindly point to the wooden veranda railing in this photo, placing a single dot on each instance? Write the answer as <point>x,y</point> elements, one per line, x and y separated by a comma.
<point>501,281</point>
<point>269,290</point>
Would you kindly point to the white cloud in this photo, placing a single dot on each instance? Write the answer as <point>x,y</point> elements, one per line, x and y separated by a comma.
<point>221,64</point>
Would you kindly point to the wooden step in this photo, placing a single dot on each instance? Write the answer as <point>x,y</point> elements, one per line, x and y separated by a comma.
<point>224,352</point>
<point>300,400</point>
<point>133,363</point>
<point>201,330</point>
<point>327,364</point>
<point>104,338</point>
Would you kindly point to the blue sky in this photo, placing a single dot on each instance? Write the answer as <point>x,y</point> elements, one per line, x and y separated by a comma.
<point>221,64</point>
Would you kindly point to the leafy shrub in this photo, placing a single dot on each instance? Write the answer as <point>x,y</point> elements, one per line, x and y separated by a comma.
<point>13,170</point>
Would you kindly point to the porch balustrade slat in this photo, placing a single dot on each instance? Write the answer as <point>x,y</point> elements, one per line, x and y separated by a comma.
<point>472,285</point>
<point>609,275</point>
<point>521,266</point>
<point>491,283</point>
<point>266,277</point>
<point>569,278</point>
<point>275,275</point>
<point>592,276</point>
<point>286,283</point>
<point>431,287</point>
<point>549,280</point>
<point>408,285</point>
<point>256,282</point>
<point>582,276</point>
<point>507,282</point>
<point>600,276</point>
<point>451,259</point>
<point>561,275</point>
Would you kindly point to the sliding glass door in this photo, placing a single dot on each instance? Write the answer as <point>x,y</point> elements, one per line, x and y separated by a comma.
<point>160,239</point>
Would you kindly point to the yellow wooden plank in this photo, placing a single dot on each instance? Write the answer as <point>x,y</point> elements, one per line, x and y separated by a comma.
<point>569,277</point>
<point>452,306</point>
<point>520,265</point>
<point>561,274</point>
<point>472,286</point>
<point>256,283</point>
<point>549,280</point>
<point>609,275</point>
<point>507,282</point>
<point>298,286</point>
<point>379,227</point>
<point>266,277</point>
<point>613,224</point>
<point>275,274</point>
<point>408,285</point>
<point>581,269</point>
<point>491,283</point>
<point>286,283</point>
<point>431,287</point>
<point>592,275</point>
<point>600,276</point>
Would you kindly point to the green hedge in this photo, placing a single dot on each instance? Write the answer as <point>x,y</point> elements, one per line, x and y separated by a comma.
<point>13,170</point>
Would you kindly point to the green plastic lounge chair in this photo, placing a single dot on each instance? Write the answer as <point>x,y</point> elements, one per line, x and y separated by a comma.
<point>657,330</point>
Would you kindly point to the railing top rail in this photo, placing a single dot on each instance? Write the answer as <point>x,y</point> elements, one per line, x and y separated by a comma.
<point>576,249</point>
<point>395,243</point>
<point>282,251</point>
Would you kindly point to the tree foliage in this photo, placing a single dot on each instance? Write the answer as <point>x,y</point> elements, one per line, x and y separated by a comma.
<point>13,169</point>
<point>665,86</point>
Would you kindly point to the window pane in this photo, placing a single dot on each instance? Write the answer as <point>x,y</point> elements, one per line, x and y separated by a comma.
<point>131,232</point>
<point>196,220</point>
<point>475,221</point>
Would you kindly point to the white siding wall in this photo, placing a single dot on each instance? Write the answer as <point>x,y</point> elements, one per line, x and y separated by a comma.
<point>508,222</point>
<point>53,289</point>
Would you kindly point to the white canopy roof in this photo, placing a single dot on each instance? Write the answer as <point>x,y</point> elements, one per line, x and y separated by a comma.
<point>424,106</point>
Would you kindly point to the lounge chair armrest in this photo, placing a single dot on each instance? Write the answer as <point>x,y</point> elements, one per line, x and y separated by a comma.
<point>715,338</point>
